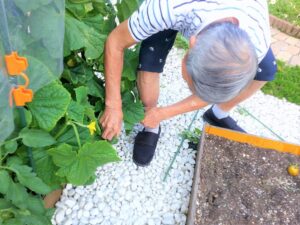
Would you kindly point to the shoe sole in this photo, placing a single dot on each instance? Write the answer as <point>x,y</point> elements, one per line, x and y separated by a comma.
<point>141,165</point>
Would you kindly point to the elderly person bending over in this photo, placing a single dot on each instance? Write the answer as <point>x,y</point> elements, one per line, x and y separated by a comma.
<point>229,59</point>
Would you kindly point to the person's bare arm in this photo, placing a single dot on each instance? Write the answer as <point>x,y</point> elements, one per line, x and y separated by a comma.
<point>156,115</point>
<point>118,40</point>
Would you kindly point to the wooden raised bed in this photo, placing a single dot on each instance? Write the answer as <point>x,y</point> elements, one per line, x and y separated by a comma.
<point>242,179</point>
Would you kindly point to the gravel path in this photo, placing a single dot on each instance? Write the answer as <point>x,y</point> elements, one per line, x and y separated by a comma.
<point>124,194</point>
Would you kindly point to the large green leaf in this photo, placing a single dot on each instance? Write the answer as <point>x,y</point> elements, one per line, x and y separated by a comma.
<point>5,181</point>
<point>126,8</point>
<point>45,168</point>
<point>79,167</point>
<point>36,138</point>
<point>78,10</point>
<point>14,221</point>
<point>81,95</point>
<point>69,136</point>
<point>4,204</point>
<point>36,205</point>
<point>50,104</point>
<point>95,89</point>
<point>130,64</point>
<point>10,147</point>
<point>34,219</point>
<point>39,73</point>
<point>79,35</point>
<point>75,112</point>
<point>14,192</point>
<point>133,110</point>
<point>79,74</point>
<point>30,180</point>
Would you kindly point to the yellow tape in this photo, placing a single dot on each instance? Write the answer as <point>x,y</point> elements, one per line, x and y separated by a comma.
<point>253,140</point>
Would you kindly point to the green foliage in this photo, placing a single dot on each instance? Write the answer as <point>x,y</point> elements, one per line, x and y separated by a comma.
<point>80,35</point>
<point>133,111</point>
<point>30,180</point>
<point>181,42</point>
<point>125,8</point>
<point>49,105</point>
<point>79,166</point>
<point>192,136</point>
<point>56,133</point>
<point>286,9</point>
<point>286,84</point>
<point>36,138</point>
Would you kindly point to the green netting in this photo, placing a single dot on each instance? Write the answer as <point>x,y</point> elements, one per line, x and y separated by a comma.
<point>6,113</point>
<point>34,29</point>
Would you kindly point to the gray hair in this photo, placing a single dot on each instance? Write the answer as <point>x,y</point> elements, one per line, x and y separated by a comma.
<point>222,62</point>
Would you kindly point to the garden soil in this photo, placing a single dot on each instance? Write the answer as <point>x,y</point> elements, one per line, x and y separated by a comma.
<point>241,184</point>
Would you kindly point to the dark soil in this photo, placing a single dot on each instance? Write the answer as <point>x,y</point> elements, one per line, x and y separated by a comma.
<point>241,184</point>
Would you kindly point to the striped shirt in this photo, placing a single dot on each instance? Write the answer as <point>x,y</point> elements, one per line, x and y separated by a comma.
<point>189,17</point>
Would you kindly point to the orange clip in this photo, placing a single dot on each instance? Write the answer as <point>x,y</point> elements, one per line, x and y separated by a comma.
<point>22,95</point>
<point>15,64</point>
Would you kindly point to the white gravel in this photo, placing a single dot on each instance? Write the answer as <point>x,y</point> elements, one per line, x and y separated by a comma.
<point>124,194</point>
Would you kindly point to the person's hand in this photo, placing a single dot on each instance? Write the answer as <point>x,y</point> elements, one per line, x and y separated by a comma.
<point>153,117</point>
<point>111,122</point>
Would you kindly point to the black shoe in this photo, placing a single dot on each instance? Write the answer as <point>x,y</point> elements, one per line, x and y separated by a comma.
<point>226,122</point>
<point>144,147</point>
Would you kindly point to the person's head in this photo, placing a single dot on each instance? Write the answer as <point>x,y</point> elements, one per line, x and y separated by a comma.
<point>221,62</point>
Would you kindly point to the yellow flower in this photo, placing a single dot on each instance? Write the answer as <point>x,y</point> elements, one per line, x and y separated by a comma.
<point>92,127</point>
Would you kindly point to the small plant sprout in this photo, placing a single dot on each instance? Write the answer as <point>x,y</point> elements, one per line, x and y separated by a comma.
<point>192,136</point>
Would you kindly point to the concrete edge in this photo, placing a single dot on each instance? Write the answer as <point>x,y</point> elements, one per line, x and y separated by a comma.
<point>285,26</point>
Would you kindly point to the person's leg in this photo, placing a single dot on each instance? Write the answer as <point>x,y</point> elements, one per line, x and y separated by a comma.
<point>148,87</point>
<point>218,115</point>
<point>153,54</point>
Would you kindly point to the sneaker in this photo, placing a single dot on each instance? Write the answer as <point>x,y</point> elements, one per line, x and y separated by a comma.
<point>144,147</point>
<point>226,122</point>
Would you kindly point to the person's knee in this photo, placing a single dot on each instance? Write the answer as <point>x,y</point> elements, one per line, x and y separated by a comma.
<point>145,77</point>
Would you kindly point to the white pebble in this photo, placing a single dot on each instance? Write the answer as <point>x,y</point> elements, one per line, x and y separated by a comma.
<point>168,219</point>
<point>88,206</point>
<point>70,202</point>
<point>60,215</point>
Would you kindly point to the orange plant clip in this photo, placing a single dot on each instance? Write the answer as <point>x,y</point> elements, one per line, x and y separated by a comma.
<point>15,66</point>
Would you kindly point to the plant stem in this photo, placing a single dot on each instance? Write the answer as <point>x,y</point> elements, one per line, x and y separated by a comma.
<point>62,129</point>
<point>79,124</point>
<point>76,133</point>
<point>8,168</point>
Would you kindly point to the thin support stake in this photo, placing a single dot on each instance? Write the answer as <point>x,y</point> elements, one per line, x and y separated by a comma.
<point>273,132</point>
<point>179,147</point>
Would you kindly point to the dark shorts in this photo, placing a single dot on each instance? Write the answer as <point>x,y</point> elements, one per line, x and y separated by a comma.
<point>155,49</point>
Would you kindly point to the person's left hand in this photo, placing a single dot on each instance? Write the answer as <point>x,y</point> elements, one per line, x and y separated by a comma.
<point>153,117</point>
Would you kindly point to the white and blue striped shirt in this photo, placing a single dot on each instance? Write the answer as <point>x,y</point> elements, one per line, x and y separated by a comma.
<point>190,16</point>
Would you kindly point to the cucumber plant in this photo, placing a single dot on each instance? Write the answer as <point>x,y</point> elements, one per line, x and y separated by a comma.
<point>61,140</point>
